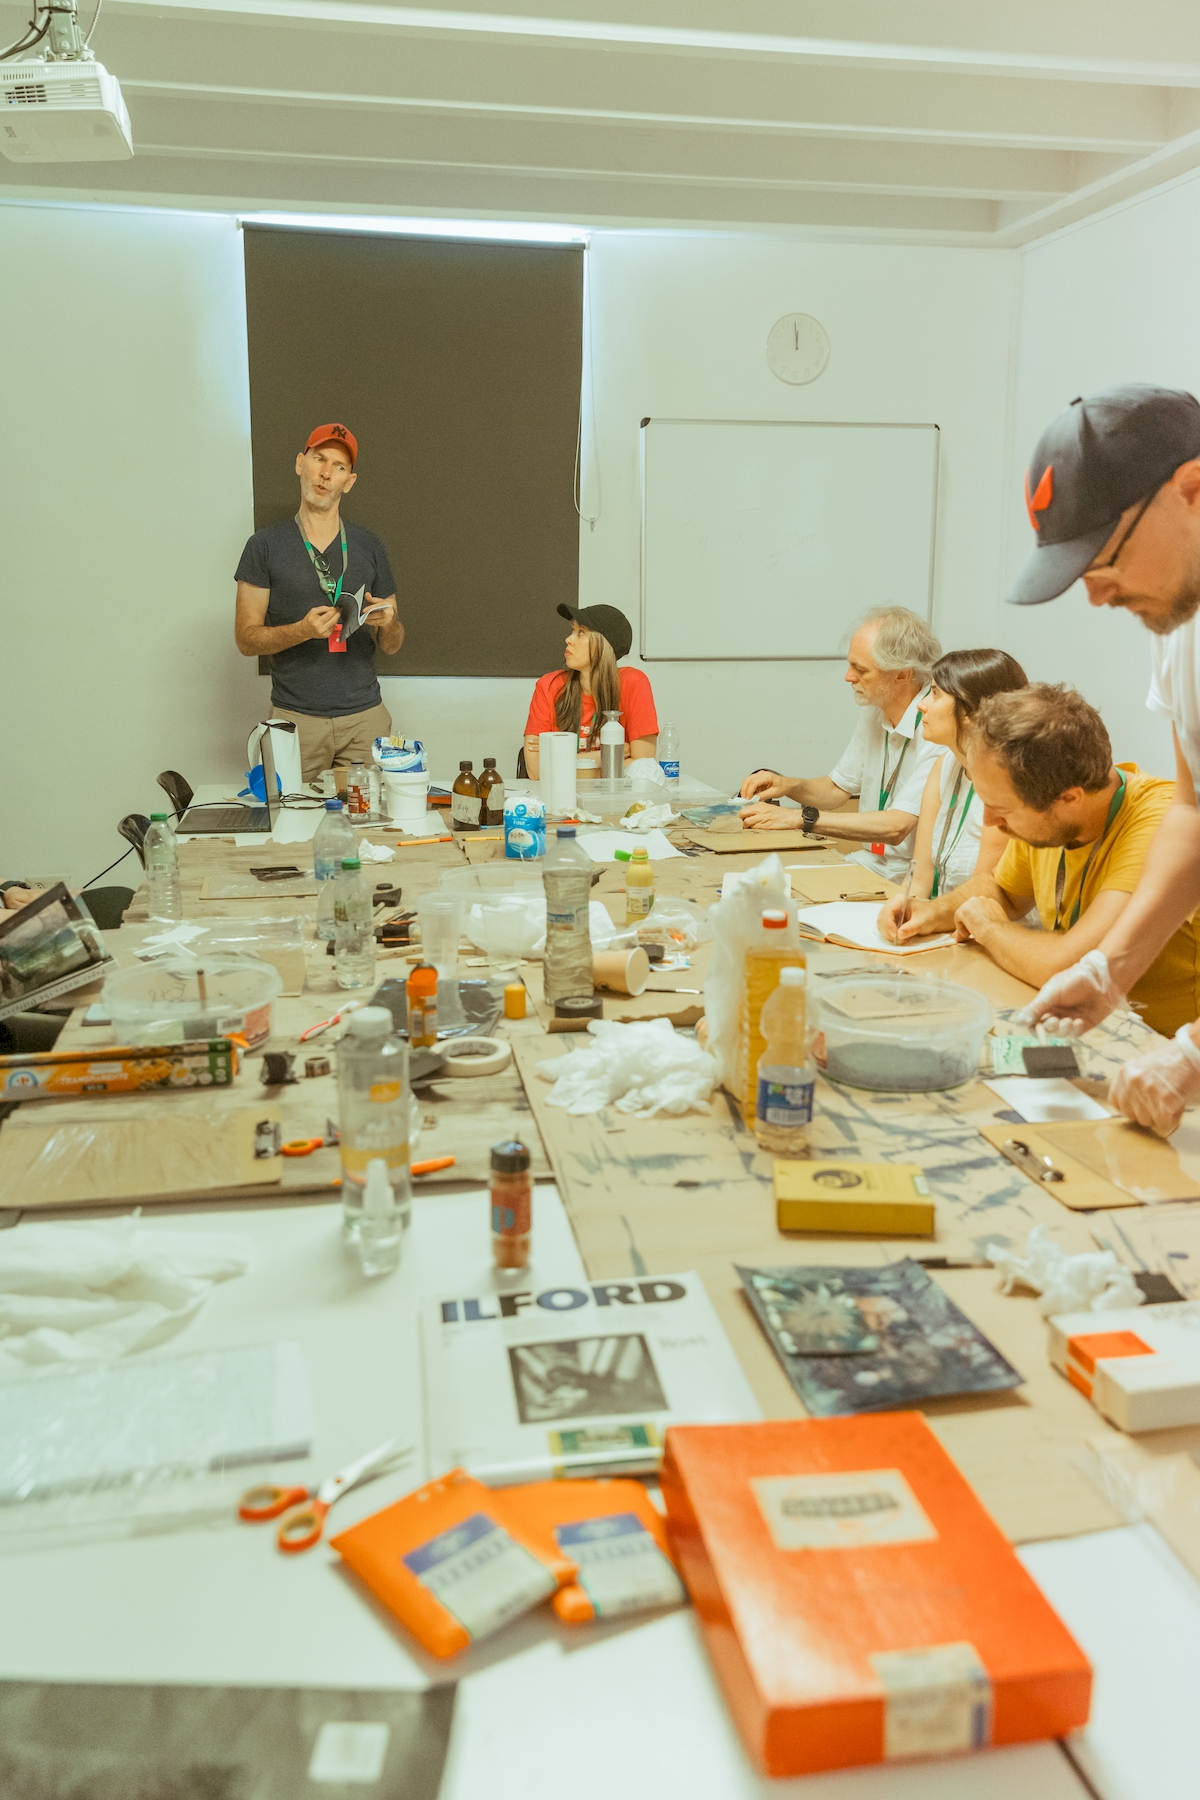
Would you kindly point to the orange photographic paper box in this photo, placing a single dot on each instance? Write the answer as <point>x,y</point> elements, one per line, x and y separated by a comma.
<point>451,1564</point>
<point>858,1603</point>
<point>614,1533</point>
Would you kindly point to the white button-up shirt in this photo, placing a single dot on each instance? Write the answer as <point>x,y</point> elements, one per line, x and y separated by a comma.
<point>897,756</point>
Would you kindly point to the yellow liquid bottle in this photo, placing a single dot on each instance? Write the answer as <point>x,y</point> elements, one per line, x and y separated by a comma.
<point>777,951</point>
<point>639,888</point>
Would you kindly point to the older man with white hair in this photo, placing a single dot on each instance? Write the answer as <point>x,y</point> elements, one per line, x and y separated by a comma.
<point>886,762</point>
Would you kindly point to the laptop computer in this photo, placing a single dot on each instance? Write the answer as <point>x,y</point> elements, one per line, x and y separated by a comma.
<point>219,819</point>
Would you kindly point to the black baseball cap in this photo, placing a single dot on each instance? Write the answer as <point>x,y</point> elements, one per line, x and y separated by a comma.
<point>1099,456</point>
<point>610,623</point>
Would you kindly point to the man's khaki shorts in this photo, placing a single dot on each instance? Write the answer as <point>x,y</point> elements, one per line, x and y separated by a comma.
<point>336,743</point>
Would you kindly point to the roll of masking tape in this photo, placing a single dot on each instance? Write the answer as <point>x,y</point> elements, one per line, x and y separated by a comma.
<point>475,1055</point>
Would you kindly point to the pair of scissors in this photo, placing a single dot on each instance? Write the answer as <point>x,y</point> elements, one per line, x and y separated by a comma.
<point>301,1511</point>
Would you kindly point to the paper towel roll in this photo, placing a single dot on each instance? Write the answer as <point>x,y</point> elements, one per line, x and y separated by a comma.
<point>556,752</point>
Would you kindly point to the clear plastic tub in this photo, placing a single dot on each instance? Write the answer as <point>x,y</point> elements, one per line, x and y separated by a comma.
<point>897,1034</point>
<point>176,1001</point>
<point>488,881</point>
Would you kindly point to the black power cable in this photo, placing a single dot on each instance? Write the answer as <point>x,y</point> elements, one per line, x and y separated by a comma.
<point>28,42</point>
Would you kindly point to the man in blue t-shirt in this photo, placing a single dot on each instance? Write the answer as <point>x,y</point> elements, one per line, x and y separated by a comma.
<point>290,582</point>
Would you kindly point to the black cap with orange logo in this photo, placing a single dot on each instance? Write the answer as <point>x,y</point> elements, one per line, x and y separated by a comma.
<point>1099,456</point>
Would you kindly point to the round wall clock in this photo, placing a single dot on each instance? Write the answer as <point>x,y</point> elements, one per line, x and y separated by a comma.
<point>797,348</point>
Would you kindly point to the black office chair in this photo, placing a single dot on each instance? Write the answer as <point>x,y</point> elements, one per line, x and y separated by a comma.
<point>107,905</point>
<point>134,827</point>
<point>522,765</point>
<point>176,789</point>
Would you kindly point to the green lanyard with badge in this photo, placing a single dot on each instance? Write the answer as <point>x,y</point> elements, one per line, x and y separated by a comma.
<point>888,782</point>
<point>1060,880</point>
<point>332,591</point>
<point>946,850</point>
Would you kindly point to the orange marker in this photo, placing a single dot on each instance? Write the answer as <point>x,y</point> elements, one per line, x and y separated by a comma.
<point>434,1163</point>
<point>447,837</point>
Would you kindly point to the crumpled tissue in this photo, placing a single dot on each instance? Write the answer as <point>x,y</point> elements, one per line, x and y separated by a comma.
<point>375,852</point>
<point>1092,1281</point>
<point>647,818</point>
<point>648,771</point>
<point>72,1293</point>
<point>644,1069</point>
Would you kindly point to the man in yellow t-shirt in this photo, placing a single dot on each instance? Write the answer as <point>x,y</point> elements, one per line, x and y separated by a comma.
<point>1041,763</point>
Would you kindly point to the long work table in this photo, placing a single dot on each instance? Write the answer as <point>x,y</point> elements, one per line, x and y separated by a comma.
<point>617,1196</point>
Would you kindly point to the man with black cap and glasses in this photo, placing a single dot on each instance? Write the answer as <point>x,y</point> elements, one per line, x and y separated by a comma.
<point>1113,493</point>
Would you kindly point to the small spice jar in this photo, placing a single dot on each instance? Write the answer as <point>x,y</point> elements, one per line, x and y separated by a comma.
<point>512,1204</point>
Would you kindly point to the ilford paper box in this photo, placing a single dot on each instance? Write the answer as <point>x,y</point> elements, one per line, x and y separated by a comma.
<point>1139,1366</point>
<point>858,1603</point>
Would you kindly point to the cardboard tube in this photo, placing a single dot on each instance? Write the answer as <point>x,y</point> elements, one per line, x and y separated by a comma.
<point>621,971</point>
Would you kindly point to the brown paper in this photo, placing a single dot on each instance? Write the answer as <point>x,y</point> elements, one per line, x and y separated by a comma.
<point>822,883</point>
<point>754,843</point>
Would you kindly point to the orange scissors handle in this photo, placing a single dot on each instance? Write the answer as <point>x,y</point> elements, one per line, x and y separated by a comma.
<point>302,1528</point>
<point>267,1502</point>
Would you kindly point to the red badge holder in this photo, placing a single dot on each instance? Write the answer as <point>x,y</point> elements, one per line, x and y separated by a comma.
<point>337,638</point>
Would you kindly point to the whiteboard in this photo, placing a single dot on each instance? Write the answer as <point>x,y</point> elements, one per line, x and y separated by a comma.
<point>763,541</point>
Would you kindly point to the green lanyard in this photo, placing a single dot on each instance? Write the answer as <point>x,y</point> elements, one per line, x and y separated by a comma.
<point>945,851</point>
<point>888,782</point>
<point>1060,880</point>
<point>332,594</point>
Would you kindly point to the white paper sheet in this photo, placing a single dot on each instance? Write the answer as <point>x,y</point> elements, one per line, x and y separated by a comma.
<point>601,846</point>
<point>1044,1102</point>
<point>855,921</point>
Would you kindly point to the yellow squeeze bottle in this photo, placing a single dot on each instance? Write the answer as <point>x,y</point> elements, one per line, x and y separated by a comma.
<point>639,888</point>
<point>777,950</point>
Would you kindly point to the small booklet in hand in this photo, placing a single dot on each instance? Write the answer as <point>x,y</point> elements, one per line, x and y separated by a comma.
<point>354,611</point>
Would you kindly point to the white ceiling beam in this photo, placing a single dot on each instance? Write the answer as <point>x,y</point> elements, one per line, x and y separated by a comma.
<point>251,126</point>
<point>1070,63</point>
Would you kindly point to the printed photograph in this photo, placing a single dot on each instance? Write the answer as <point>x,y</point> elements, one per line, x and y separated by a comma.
<point>584,1378</point>
<point>855,1340</point>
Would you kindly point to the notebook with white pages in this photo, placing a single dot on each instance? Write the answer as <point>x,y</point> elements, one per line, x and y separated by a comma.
<point>854,924</point>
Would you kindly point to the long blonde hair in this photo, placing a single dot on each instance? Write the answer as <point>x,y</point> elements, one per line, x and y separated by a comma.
<point>606,690</point>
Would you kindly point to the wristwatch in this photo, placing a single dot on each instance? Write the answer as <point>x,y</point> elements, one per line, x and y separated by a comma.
<point>809,815</point>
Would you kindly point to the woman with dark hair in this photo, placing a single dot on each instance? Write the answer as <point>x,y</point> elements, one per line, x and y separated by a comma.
<point>576,698</point>
<point>953,843</point>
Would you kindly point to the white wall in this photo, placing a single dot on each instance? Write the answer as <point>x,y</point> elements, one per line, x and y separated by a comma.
<point>127,452</point>
<point>917,334</point>
<point>1106,302</point>
<point>133,492</point>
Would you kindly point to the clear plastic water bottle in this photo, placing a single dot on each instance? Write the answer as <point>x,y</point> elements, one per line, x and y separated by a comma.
<point>668,751</point>
<point>164,895</point>
<point>380,1233</point>
<point>353,927</point>
<point>334,839</point>
<point>373,1115</point>
<point>325,898</point>
<point>567,879</point>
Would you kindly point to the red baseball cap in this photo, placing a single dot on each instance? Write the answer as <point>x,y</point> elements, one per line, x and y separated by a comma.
<point>328,434</point>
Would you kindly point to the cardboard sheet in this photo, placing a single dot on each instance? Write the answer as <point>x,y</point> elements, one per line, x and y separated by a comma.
<point>757,843</point>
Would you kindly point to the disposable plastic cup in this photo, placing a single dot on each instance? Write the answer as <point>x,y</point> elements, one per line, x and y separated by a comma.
<point>503,926</point>
<point>621,971</point>
<point>440,916</point>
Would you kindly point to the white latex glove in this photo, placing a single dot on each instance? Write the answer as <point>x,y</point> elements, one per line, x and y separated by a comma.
<point>1075,999</point>
<point>1154,1088</point>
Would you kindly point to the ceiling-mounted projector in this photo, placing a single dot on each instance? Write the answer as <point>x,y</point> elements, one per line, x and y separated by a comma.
<point>65,106</point>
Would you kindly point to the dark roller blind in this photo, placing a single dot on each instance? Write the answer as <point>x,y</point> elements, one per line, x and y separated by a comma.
<point>457,367</point>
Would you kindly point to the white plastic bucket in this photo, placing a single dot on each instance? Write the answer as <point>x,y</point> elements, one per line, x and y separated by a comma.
<point>407,796</point>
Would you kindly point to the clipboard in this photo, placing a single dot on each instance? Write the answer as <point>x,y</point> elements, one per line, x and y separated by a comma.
<point>823,882</point>
<point>1102,1163</point>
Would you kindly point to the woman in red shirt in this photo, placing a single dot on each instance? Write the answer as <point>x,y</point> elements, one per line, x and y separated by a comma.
<point>576,698</point>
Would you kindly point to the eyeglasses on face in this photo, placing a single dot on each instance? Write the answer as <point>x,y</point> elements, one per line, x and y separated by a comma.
<point>1111,561</point>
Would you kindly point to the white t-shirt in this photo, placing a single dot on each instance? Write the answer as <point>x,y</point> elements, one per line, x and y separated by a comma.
<point>1175,689</point>
<point>961,848</point>
<point>880,752</point>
